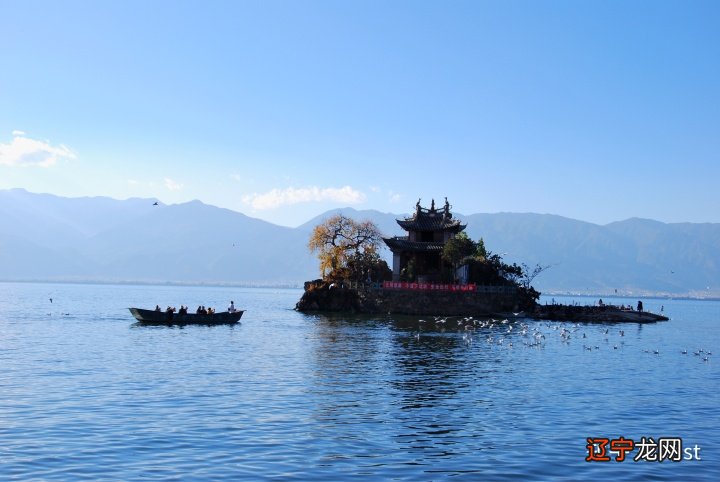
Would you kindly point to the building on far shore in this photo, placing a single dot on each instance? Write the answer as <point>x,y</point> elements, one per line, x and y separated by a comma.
<point>418,256</point>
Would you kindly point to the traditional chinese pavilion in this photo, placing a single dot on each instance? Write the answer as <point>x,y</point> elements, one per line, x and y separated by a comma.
<point>428,231</point>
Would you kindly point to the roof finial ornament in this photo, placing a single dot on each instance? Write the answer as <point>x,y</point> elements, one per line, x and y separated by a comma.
<point>417,205</point>
<point>447,207</point>
<point>432,206</point>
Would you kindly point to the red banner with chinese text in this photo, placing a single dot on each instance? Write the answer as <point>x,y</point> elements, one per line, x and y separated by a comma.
<point>404,285</point>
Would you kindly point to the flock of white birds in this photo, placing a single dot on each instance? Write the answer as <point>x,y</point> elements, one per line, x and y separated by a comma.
<point>509,332</point>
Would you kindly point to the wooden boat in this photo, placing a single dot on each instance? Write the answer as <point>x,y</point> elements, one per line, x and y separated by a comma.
<point>168,318</point>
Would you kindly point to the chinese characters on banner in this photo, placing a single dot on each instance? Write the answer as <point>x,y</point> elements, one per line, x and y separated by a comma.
<point>404,285</point>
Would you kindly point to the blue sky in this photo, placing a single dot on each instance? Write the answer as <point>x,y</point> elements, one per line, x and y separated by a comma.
<point>595,110</point>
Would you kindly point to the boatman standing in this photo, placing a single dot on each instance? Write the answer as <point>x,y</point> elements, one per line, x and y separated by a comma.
<point>231,308</point>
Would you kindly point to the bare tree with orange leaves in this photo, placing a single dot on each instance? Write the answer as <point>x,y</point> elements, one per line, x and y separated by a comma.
<point>341,242</point>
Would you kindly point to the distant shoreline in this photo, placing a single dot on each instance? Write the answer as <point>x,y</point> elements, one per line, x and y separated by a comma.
<point>656,296</point>
<point>659,296</point>
<point>290,285</point>
<point>211,284</point>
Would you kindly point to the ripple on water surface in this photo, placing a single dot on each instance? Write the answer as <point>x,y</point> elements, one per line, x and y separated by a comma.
<point>86,394</point>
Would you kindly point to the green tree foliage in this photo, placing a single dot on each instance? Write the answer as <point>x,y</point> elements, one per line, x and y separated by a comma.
<point>493,270</point>
<point>367,266</point>
<point>346,249</point>
<point>489,268</point>
<point>481,252</point>
<point>458,248</point>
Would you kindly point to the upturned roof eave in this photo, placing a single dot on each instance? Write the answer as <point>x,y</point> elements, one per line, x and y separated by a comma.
<point>431,225</point>
<point>400,244</point>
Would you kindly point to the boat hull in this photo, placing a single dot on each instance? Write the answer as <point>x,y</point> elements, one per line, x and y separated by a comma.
<point>164,318</point>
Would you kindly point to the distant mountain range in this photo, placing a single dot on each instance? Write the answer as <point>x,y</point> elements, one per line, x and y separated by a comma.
<point>51,238</point>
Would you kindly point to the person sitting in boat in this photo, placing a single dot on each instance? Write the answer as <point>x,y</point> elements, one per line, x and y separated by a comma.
<point>199,310</point>
<point>182,310</point>
<point>231,308</point>
<point>157,308</point>
<point>210,311</point>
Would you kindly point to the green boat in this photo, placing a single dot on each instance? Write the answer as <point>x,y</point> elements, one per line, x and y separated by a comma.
<point>153,317</point>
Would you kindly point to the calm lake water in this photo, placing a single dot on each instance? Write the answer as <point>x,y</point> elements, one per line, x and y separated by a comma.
<point>87,394</point>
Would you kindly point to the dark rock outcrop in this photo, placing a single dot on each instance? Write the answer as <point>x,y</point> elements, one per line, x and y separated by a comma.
<point>321,296</point>
<point>592,314</point>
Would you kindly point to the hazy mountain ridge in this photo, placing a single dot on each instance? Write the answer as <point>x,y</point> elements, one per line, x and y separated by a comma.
<point>45,237</point>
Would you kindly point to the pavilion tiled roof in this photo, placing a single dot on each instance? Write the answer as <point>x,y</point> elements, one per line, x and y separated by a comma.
<point>431,222</point>
<point>403,244</point>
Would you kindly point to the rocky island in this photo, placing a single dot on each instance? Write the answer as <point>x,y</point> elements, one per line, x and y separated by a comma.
<point>436,270</point>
